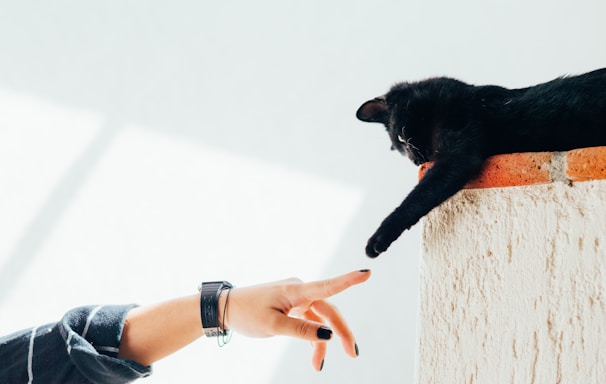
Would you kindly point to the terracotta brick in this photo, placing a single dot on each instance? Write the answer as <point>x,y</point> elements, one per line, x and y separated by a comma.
<point>586,164</point>
<point>514,169</point>
<point>536,168</point>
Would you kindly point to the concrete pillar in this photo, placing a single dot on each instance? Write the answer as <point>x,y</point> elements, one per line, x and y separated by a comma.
<point>513,274</point>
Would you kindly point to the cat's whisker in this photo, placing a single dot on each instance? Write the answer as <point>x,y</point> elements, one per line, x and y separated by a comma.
<point>411,145</point>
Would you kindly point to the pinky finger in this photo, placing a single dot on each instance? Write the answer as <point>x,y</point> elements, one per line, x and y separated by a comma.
<point>318,356</point>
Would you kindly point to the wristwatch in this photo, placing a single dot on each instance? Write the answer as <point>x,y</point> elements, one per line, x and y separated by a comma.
<point>209,302</point>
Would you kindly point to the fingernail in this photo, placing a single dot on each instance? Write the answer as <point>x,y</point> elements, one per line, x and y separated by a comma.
<point>357,350</point>
<point>324,333</point>
<point>364,270</point>
<point>322,365</point>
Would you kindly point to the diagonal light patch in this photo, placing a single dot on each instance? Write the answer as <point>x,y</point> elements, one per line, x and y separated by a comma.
<point>42,145</point>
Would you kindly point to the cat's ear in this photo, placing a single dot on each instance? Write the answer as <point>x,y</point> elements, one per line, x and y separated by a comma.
<point>374,111</point>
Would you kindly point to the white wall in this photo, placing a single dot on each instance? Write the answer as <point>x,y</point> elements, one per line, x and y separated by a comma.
<point>152,145</point>
<point>513,287</point>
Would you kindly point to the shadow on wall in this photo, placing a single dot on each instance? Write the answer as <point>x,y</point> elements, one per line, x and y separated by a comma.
<point>57,202</point>
<point>164,79</point>
<point>290,101</point>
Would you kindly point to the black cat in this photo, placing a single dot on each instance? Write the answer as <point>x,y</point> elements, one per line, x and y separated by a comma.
<point>458,125</point>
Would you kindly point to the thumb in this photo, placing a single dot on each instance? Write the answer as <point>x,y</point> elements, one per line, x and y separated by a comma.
<point>303,329</point>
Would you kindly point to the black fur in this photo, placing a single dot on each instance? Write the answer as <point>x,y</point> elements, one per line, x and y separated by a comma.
<point>457,126</point>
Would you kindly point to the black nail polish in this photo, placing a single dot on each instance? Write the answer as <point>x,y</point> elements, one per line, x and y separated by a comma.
<point>324,333</point>
<point>357,350</point>
<point>322,365</point>
<point>364,270</point>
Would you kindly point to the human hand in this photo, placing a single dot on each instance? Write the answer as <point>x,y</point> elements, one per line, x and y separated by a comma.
<point>293,308</point>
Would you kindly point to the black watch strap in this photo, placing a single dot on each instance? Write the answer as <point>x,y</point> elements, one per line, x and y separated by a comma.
<point>209,303</point>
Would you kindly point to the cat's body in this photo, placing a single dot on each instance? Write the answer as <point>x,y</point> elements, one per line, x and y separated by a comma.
<point>457,126</point>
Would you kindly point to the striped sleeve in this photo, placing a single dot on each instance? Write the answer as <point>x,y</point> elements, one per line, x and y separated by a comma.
<point>81,348</point>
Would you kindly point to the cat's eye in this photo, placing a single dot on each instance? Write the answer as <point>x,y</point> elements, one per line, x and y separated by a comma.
<point>401,139</point>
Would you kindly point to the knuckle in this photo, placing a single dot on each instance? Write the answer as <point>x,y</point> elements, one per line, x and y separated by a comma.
<point>303,328</point>
<point>291,287</point>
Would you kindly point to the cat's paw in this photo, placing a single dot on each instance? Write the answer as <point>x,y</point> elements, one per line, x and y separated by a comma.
<point>388,232</point>
<point>376,245</point>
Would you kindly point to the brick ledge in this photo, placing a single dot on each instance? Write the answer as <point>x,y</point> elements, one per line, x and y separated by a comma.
<point>530,168</point>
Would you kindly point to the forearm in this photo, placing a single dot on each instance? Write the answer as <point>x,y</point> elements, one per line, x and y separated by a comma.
<point>156,331</point>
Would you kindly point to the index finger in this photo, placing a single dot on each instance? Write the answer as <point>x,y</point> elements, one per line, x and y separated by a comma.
<point>323,289</point>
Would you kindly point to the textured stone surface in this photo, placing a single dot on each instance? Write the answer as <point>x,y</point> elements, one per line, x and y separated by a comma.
<point>513,286</point>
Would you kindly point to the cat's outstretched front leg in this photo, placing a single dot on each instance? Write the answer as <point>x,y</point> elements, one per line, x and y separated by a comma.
<point>441,181</point>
